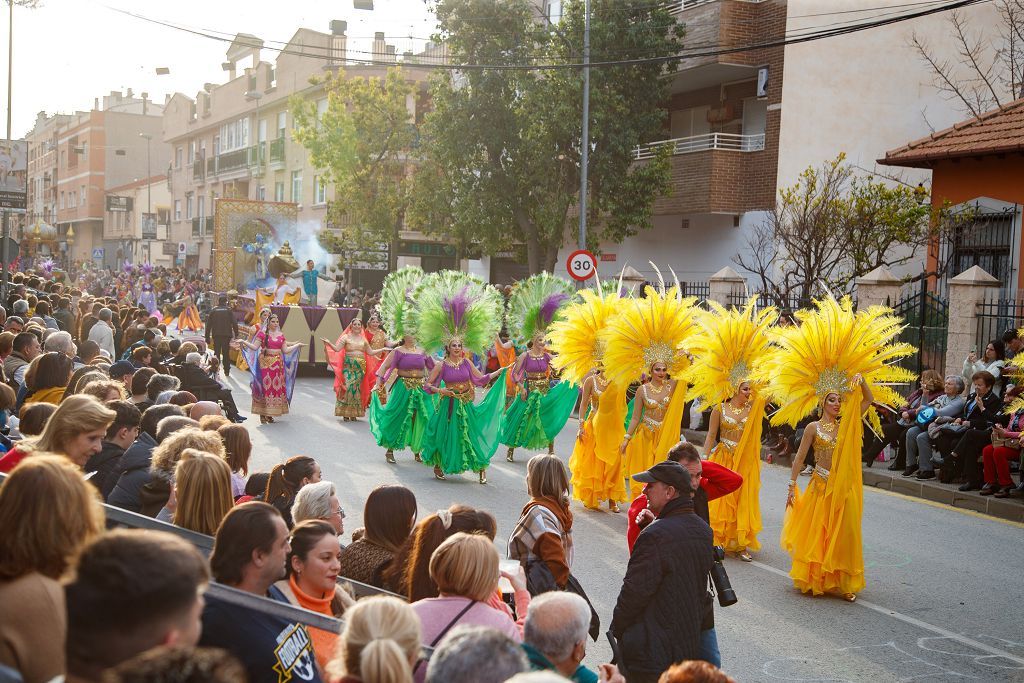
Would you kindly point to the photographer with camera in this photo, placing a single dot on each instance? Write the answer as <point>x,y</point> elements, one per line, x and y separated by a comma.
<point>710,481</point>
<point>661,608</point>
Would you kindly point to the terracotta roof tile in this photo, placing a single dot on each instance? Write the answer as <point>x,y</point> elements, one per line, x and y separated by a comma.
<point>999,131</point>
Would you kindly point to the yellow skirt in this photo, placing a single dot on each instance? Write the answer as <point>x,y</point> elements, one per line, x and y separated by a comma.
<point>736,518</point>
<point>594,479</point>
<point>822,529</point>
<point>639,456</point>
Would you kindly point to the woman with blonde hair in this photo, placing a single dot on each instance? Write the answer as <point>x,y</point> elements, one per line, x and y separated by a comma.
<point>75,430</point>
<point>202,491</point>
<point>155,494</point>
<point>104,390</point>
<point>380,643</point>
<point>465,569</point>
<point>48,513</point>
<point>238,448</point>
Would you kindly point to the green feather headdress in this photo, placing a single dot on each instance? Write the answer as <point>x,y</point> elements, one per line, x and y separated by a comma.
<point>534,304</point>
<point>396,299</point>
<point>451,305</point>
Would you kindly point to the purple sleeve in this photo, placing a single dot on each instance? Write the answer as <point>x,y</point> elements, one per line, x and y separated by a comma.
<point>481,380</point>
<point>383,378</point>
<point>428,361</point>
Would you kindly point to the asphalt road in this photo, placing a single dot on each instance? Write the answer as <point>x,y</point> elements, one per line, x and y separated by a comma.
<point>944,592</point>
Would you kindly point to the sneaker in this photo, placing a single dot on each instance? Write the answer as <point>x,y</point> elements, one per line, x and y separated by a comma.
<point>926,474</point>
<point>909,472</point>
<point>1003,492</point>
<point>807,471</point>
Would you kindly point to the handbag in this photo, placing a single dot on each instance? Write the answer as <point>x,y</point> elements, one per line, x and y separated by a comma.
<point>539,579</point>
<point>926,415</point>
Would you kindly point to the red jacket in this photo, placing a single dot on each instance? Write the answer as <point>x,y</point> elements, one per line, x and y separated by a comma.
<point>716,480</point>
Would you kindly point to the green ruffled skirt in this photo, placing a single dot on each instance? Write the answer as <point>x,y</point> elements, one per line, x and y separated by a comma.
<point>402,421</point>
<point>536,421</point>
<point>463,436</point>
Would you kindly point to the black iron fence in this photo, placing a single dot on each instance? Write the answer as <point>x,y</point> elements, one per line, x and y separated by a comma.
<point>926,316</point>
<point>979,238</point>
<point>785,304</point>
<point>995,316</point>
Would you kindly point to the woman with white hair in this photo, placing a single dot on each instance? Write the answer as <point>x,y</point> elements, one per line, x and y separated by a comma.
<point>319,501</point>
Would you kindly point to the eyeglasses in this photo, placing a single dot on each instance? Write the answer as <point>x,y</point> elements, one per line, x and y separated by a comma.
<point>340,512</point>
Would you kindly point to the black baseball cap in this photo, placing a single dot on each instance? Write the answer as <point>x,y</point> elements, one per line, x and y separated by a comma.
<point>121,368</point>
<point>667,472</point>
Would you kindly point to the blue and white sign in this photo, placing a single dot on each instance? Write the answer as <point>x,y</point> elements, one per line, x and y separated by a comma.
<point>97,254</point>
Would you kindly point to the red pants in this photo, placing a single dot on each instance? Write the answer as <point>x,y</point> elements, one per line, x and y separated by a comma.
<point>996,461</point>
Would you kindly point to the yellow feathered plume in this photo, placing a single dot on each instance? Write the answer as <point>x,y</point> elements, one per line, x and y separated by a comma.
<point>821,354</point>
<point>655,328</point>
<point>730,344</point>
<point>574,339</point>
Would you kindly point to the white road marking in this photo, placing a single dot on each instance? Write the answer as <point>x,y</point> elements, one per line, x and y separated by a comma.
<point>907,619</point>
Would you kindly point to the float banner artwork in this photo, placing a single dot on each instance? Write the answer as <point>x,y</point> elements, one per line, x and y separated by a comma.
<point>241,223</point>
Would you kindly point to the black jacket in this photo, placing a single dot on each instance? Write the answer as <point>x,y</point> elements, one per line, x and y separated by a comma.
<point>194,378</point>
<point>132,473</point>
<point>664,596</point>
<point>986,417</point>
<point>221,323</point>
<point>105,465</point>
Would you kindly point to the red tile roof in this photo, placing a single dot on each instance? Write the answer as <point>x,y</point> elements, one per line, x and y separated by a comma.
<point>999,131</point>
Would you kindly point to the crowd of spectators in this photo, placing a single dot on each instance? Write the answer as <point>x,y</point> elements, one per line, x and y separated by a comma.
<point>86,426</point>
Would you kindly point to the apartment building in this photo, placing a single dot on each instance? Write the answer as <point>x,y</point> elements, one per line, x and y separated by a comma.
<point>136,222</point>
<point>743,125</point>
<point>74,158</point>
<point>234,140</point>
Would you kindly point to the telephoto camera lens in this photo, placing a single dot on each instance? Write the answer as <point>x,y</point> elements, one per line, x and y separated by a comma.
<point>726,595</point>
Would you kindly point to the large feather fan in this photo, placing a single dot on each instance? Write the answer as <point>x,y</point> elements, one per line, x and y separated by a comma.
<point>396,299</point>
<point>658,327</point>
<point>821,354</point>
<point>730,344</point>
<point>534,304</point>
<point>451,304</point>
<point>574,339</point>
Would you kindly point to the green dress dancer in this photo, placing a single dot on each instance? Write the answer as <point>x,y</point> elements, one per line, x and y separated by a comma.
<point>542,406</point>
<point>459,313</point>
<point>400,421</point>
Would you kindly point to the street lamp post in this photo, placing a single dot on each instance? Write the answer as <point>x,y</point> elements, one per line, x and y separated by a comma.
<point>7,214</point>
<point>149,192</point>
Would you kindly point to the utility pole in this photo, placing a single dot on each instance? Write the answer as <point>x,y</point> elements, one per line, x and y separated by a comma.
<point>585,138</point>
<point>7,214</point>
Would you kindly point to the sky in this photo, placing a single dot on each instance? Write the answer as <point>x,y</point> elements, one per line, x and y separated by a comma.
<point>68,52</point>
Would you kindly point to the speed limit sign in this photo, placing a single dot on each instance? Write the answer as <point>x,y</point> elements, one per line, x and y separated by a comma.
<point>581,265</point>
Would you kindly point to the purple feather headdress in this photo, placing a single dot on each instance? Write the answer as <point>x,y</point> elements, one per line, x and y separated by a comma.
<point>456,307</point>
<point>550,307</point>
<point>147,268</point>
<point>47,266</point>
<point>128,267</point>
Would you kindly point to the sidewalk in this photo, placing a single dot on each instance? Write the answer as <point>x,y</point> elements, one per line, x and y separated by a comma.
<point>880,476</point>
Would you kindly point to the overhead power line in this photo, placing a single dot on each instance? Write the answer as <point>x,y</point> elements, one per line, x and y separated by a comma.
<point>685,53</point>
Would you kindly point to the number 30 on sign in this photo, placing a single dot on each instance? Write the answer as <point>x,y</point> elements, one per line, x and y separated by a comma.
<point>581,265</point>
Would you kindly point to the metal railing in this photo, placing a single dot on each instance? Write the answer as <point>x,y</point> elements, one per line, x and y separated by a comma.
<point>277,151</point>
<point>698,143</point>
<point>679,6</point>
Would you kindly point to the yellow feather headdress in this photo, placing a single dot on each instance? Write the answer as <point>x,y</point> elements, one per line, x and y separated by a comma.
<point>730,344</point>
<point>1016,377</point>
<point>821,355</point>
<point>656,328</point>
<point>574,339</point>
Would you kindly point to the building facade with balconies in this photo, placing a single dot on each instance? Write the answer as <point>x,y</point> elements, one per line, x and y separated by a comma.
<point>743,125</point>
<point>234,140</point>
<point>125,226</point>
<point>41,203</point>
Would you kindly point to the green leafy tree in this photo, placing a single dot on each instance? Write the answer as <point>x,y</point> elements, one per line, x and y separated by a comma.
<point>833,226</point>
<point>362,144</point>
<point>500,152</point>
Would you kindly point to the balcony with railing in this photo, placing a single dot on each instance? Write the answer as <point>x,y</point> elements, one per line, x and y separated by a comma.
<point>698,143</point>
<point>714,173</point>
<point>199,169</point>
<point>277,151</point>
<point>680,6</point>
<point>202,227</point>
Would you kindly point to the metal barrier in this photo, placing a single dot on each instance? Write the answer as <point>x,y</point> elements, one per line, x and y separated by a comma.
<point>263,605</point>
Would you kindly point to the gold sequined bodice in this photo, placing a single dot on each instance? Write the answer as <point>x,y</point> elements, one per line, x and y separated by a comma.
<point>825,443</point>
<point>730,428</point>
<point>378,340</point>
<point>654,408</point>
<point>595,394</point>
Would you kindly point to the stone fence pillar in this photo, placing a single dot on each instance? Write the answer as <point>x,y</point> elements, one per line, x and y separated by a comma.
<point>879,287</point>
<point>725,285</point>
<point>966,291</point>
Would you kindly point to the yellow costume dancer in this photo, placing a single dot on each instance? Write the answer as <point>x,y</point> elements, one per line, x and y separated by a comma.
<point>595,464</point>
<point>650,335</point>
<point>831,361</point>
<point>730,344</point>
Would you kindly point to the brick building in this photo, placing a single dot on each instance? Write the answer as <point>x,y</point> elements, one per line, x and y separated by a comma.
<point>234,140</point>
